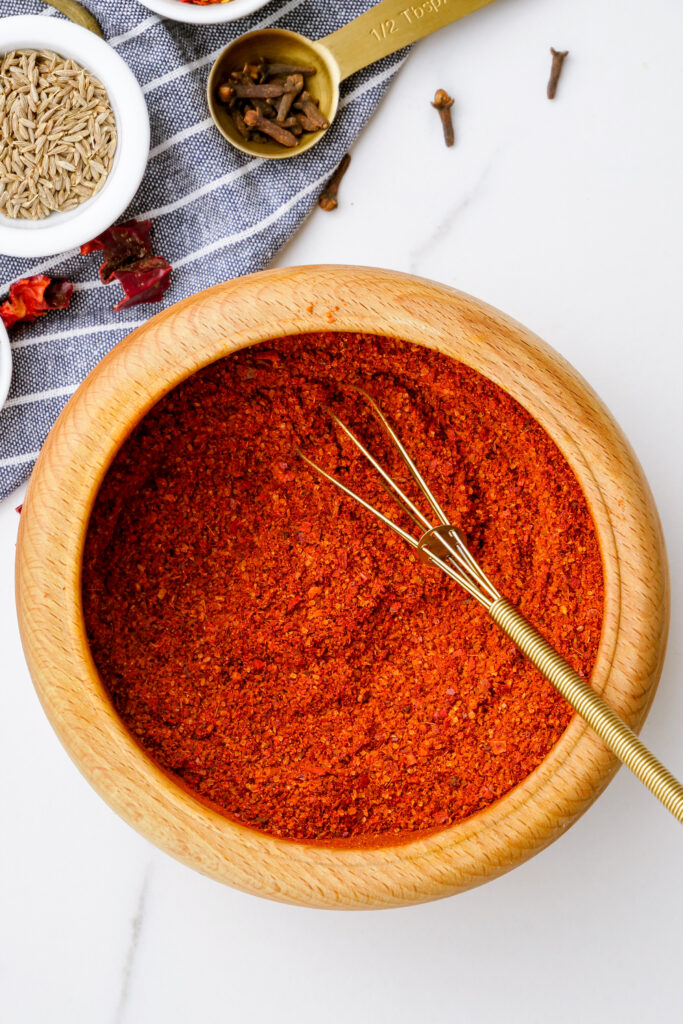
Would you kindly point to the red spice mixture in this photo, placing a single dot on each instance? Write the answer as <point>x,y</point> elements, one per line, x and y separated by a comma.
<point>270,644</point>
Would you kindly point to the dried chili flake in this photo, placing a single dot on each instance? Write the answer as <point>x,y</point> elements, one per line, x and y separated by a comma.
<point>32,297</point>
<point>146,281</point>
<point>276,678</point>
<point>123,245</point>
<point>129,259</point>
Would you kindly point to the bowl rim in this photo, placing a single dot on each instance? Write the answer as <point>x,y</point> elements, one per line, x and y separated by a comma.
<point>5,364</point>
<point>204,14</point>
<point>276,303</point>
<point>61,232</point>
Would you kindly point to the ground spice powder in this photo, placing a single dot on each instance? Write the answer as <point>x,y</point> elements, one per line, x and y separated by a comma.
<point>286,658</point>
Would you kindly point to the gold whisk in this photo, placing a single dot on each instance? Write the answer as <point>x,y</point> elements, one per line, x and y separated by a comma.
<point>444,546</point>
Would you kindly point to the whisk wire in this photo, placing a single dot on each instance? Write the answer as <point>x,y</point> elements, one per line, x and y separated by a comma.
<point>390,483</point>
<point>414,471</point>
<point>440,545</point>
<point>451,571</point>
<point>361,501</point>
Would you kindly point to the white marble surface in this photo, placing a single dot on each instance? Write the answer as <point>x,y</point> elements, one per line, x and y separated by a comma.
<point>567,215</point>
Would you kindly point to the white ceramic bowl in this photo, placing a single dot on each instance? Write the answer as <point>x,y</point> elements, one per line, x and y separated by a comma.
<point>62,231</point>
<point>204,14</point>
<point>5,364</point>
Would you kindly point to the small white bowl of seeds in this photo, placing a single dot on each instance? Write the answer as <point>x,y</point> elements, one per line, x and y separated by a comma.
<point>74,136</point>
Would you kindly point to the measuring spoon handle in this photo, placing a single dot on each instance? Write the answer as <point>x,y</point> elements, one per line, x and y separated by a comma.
<point>389,26</point>
<point>614,733</point>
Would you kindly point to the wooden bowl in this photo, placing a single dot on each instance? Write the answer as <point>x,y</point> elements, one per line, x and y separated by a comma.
<point>175,344</point>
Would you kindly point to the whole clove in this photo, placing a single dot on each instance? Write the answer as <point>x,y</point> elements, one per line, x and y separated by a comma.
<point>291,69</point>
<point>226,94</point>
<point>294,125</point>
<point>271,102</point>
<point>555,70</point>
<point>238,121</point>
<point>308,106</point>
<point>443,103</point>
<point>293,85</point>
<point>328,198</point>
<point>284,107</point>
<point>256,90</point>
<point>255,119</point>
<point>264,107</point>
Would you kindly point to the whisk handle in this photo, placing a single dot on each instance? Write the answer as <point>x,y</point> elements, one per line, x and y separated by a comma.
<point>614,733</point>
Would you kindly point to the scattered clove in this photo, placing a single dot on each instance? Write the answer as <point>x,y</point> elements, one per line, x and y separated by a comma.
<point>328,199</point>
<point>555,70</point>
<point>270,101</point>
<point>443,103</point>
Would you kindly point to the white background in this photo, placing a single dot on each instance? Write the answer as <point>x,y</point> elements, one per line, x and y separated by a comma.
<point>568,216</point>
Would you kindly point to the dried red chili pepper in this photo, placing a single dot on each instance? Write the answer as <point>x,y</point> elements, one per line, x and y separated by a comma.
<point>129,259</point>
<point>145,281</point>
<point>280,652</point>
<point>32,297</point>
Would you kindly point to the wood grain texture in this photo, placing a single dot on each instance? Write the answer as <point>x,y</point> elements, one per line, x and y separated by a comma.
<point>212,324</point>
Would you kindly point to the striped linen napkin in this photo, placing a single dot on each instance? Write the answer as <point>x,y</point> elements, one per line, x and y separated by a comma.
<point>217,213</point>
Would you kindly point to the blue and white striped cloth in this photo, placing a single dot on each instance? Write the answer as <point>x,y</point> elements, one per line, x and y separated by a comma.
<point>217,213</point>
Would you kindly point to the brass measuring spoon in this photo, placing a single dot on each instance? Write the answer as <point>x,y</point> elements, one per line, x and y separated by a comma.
<point>385,28</point>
